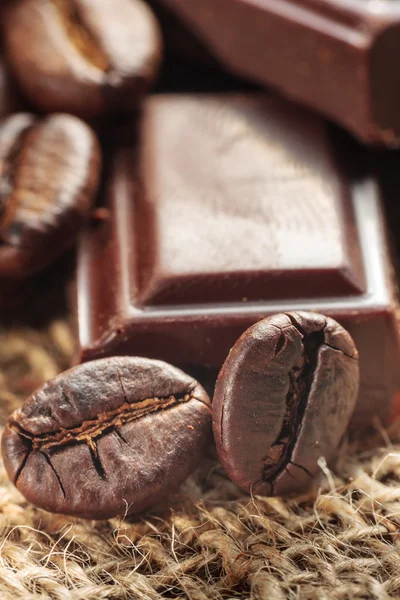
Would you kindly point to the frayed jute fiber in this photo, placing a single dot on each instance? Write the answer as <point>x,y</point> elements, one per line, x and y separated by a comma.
<point>210,541</point>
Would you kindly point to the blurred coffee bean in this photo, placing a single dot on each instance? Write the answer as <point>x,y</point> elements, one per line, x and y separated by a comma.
<point>83,57</point>
<point>49,171</point>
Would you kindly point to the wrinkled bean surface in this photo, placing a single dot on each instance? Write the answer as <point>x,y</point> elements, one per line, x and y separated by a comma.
<point>49,170</point>
<point>108,437</point>
<point>283,399</point>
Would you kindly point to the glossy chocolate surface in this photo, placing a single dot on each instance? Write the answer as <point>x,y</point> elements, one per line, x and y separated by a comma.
<point>335,56</point>
<point>239,209</point>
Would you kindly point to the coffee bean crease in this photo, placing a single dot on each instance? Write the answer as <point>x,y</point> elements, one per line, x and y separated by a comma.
<point>80,36</point>
<point>105,435</point>
<point>283,399</point>
<point>89,430</point>
<point>301,378</point>
<point>85,57</point>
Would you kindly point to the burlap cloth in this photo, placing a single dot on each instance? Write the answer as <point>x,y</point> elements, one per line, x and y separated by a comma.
<point>210,541</point>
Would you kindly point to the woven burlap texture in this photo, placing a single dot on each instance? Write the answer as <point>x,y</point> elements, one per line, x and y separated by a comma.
<point>210,541</point>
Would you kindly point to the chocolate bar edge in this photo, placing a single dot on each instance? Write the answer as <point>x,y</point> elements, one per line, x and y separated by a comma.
<point>338,61</point>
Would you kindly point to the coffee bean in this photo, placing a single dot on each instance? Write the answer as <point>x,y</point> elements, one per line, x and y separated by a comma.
<point>83,57</point>
<point>107,437</point>
<point>283,399</point>
<point>49,170</point>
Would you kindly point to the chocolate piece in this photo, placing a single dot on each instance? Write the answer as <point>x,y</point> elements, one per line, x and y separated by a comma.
<point>335,56</point>
<point>284,398</point>
<point>49,174</point>
<point>242,211</point>
<point>83,57</point>
<point>108,438</point>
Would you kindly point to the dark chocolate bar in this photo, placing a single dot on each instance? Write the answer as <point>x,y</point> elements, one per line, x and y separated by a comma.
<point>339,57</point>
<point>237,208</point>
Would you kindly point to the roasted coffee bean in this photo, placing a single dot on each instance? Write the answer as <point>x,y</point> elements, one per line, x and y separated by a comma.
<point>49,170</point>
<point>108,437</point>
<point>283,399</point>
<point>82,56</point>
